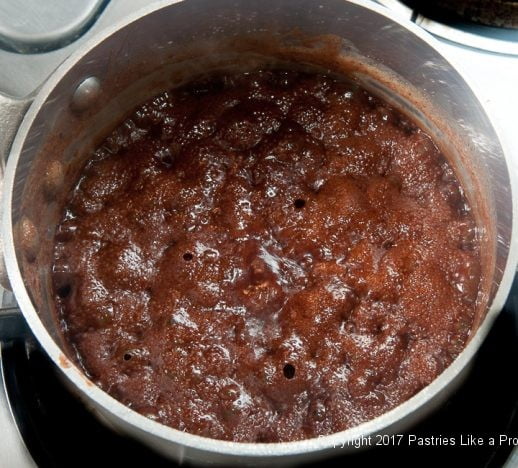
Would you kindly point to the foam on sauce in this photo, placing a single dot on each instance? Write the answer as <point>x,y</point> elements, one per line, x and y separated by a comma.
<point>266,256</point>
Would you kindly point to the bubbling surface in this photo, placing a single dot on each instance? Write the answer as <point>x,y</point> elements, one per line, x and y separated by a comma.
<point>266,257</point>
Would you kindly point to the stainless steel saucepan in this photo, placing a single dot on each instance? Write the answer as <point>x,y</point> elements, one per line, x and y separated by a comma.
<point>50,134</point>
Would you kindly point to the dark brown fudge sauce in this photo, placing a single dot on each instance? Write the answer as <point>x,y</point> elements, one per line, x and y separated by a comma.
<point>266,257</point>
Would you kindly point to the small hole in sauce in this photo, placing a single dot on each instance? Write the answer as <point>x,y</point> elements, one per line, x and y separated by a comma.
<point>187,256</point>
<point>167,161</point>
<point>299,203</point>
<point>388,244</point>
<point>127,356</point>
<point>289,371</point>
<point>64,291</point>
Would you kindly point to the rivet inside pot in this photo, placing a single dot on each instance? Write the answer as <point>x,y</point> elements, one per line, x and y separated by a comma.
<point>53,179</point>
<point>29,238</point>
<point>86,94</point>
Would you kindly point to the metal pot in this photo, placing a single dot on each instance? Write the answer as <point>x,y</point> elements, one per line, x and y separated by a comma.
<point>166,44</point>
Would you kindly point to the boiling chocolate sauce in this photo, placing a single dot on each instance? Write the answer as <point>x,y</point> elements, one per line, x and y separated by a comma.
<point>266,256</point>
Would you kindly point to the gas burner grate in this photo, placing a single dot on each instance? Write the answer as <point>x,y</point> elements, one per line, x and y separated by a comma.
<point>441,18</point>
<point>496,13</point>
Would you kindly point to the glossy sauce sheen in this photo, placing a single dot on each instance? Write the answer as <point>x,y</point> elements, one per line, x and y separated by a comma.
<point>266,257</point>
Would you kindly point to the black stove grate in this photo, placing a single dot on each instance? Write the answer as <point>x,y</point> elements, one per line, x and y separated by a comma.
<point>496,13</point>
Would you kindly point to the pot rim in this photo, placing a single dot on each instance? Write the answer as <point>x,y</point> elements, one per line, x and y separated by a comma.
<point>244,449</point>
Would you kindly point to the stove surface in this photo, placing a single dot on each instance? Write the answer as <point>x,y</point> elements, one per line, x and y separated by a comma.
<point>59,432</point>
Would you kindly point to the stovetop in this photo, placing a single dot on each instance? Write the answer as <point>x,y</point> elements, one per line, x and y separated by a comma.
<point>51,428</point>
